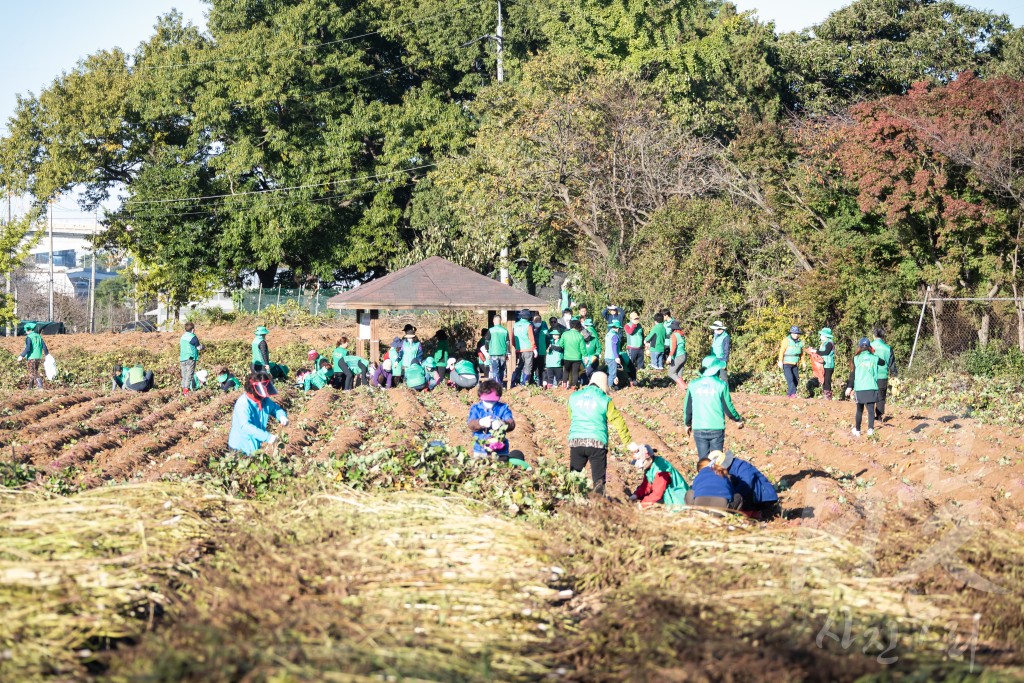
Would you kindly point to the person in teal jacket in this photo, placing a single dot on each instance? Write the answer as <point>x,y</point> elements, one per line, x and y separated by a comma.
<point>188,356</point>
<point>887,370</point>
<point>553,360</point>
<point>827,352</point>
<point>410,352</point>
<point>791,353</point>
<point>591,411</point>
<point>662,482</point>
<point>707,403</point>
<point>34,353</point>
<point>320,378</point>
<point>721,347</point>
<point>863,384</point>
<point>252,413</point>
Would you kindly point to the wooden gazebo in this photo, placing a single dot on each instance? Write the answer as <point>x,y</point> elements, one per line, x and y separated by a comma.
<point>434,284</point>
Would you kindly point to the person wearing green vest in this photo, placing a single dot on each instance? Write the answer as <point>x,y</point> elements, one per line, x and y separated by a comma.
<point>525,346</point>
<point>591,411</point>
<point>342,376</point>
<point>666,317</point>
<point>227,381</point>
<point>360,368</point>
<point>410,351</point>
<point>827,352</point>
<point>888,369</point>
<point>574,347</point>
<point>542,333</point>
<point>707,403</point>
<point>863,384</point>
<point>676,354</point>
<point>260,350</point>
<point>34,353</point>
<point>662,482</point>
<point>497,350</point>
<point>464,374</point>
<point>655,342</point>
<point>592,350</point>
<point>634,346</point>
<point>320,378</point>
<point>442,352</point>
<point>188,356</point>
<point>416,377</point>
<point>565,302</point>
<point>553,360</point>
<point>137,378</point>
<point>791,352</point>
<point>721,347</point>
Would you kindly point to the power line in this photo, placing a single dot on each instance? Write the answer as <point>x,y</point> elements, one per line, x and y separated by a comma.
<point>302,48</point>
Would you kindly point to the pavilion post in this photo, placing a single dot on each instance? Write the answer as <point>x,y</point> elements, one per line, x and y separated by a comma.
<point>358,346</point>
<point>510,362</point>
<point>374,336</point>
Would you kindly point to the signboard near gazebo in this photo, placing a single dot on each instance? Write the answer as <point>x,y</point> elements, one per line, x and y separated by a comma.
<point>434,284</point>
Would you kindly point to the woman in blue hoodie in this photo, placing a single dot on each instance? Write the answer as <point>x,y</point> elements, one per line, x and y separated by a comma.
<point>713,488</point>
<point>252,413</point>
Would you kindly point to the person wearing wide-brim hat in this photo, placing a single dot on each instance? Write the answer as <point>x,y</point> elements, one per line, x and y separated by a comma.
<point>260,350</point>
<point>791,353</point>
<point>721,346</point>
<point>591,411</point>
<point>826,351</point>
<point>34,353</point>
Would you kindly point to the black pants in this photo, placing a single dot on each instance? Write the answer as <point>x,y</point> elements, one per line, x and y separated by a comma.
<point>636,361</point>
<point>883,391</point>
<point>571,369</point>
<point>553,376</point>
<point>714,502</point>
<point>826,386</point>
<point>145,385</point>
<point>871,414</point>
<point>579,456</point>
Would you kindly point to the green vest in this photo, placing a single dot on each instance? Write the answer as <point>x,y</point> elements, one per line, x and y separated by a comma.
<point>635,340</point>
<point>705,396</point>
<point>592,347</point>
<point>866,371</point>
<point>680,346</point>
<point>415,376</point>
<point>186,350</point>
<point>318,379</point>
<point>355,363</point>
<point>883,351</point>
<point>553,359</point>
<point>337,356</point>
<point>521,334</point>
<point>675,494</point>
<point>829,358</point>
<point>441,354</point>
<point>257,356</point>
<point>589,409</point>
<point>465,367</point>
<point>794,349</point>
<point>543,338</point>
<point>573,346</point>
<point>498,345</point>
<point>136,374</point>
<point>410,352</point>
<point>658,335</point>
<point>36,341</point>
<point>718,345</point>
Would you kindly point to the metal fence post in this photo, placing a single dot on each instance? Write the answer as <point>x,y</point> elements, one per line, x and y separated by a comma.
<point>259,299</point>
<point>920,321</point>
<point>278,296</point>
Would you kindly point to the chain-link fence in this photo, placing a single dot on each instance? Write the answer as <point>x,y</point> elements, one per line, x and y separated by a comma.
<point>255,300</point>
<point>948,328</point>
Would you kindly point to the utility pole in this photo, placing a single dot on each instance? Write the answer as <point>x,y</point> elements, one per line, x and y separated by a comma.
<point>92,278</point>
<point>10,274</point>
<point>50,319</point>
<point>499,40</point>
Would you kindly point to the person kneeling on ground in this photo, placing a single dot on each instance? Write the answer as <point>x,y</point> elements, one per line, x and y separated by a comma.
<point>662,482</point>
<point>416,377</point>
<point>251,414</point>
<point>490,420</point>
<point>713,488</point>
<point>463,373</point>
<point>227,381</point>
<point>135,378</point>
<point>317,380</point>
<point>759,497</point>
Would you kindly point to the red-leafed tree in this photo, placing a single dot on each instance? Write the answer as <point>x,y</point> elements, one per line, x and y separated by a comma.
<point>942,167</point>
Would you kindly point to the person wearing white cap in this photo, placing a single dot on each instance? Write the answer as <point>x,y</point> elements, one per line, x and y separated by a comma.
<point>721,347</point>
<point>612,312</point>
<point>707,403</point>
<point>662,483</point>
<point>591,411</point>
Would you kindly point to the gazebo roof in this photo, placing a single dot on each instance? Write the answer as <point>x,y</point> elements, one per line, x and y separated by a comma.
<point>436,284</point>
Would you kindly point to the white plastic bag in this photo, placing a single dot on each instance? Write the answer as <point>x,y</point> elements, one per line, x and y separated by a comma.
<point>50,367</point>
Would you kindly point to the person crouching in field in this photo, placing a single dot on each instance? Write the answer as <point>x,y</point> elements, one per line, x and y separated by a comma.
<point>863,384</point>
<point>713,488</point>
<point>662,483</point>
<point>490,420</point>
<point>135,378</point>
<point>319,378</point>
<point>251,414</point>
<point>463,373</point>
<point>226,381</point>
<point>760,500</point>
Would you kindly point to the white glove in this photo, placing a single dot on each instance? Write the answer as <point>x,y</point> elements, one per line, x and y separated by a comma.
<point>497,424</point>
<point>284,420</point>
<point>271,439</point>
<point>21,358</point>
<point>780,365</point>
<point>485,422</point>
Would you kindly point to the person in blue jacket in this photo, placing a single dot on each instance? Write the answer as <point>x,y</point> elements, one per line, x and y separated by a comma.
<point>252,413</point>
<point>759,496</point>
<point>490,420</point>
<point>713,488</point>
